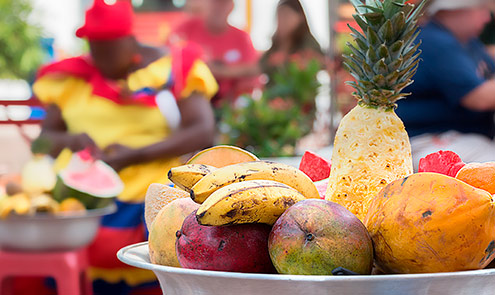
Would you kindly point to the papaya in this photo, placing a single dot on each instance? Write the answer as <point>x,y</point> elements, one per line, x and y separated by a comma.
<point>429,222</point>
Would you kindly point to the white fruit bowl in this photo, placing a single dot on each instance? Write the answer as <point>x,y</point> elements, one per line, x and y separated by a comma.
<point>51,232</point>
<point>179,281</point>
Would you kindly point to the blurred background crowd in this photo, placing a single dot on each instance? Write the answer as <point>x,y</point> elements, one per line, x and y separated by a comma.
<point>247,45</point>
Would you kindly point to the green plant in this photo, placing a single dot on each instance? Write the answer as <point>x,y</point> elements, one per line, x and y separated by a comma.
<point>271,125</point>
<point>20,47</point>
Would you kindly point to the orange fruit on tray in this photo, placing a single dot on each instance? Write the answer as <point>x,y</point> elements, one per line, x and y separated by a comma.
<point>222,155</point>
<point>71,205</point>
<point>479,175</point>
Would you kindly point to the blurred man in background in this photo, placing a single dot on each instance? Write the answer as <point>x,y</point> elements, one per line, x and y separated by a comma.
<point>195,8</point>
<point>488,36</point>
<point>453,98</point>
<point>228,51</point>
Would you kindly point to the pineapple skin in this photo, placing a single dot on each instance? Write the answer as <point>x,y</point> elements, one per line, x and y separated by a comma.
<point>371,149</point>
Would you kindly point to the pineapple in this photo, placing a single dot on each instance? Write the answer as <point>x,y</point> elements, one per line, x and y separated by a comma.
<point>371,147</point>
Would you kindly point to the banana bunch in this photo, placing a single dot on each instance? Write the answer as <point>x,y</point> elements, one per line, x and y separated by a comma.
<point>252,201</point>
<point>186,176</point>
<point>250,192</point>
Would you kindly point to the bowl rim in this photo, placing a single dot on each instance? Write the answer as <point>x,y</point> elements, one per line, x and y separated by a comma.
<point>125,255</point>
<point>66,215</point>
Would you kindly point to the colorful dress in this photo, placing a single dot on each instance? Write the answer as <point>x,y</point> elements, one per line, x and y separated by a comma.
<point>91,104</point>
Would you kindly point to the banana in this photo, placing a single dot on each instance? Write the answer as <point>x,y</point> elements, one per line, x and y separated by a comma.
<point>258,170</point>
<point>186,176</point>
<point>252,201</point>
<point>18,203</point>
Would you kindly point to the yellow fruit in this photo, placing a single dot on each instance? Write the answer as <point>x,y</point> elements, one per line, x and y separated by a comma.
<point>371,146</point>
<point>371,149</point>
<point>479,175</point>
<point>38,175</point>
<point>164,228</point>
<point>43,203</point>
<point>186,176</point>
<point>157,197</point>
<point>19,204</point>
<point>257,170</point>
<point>429,222</point>
<point>71,205</point>
<point>253,201</point>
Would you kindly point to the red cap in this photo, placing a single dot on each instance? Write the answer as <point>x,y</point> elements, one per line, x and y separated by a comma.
<point>107,21</point>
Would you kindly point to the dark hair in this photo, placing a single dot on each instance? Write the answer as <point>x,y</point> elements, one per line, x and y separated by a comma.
<point>302,35</point>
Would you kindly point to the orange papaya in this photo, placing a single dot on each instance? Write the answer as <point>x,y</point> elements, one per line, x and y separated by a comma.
<point>480,175</point>
<point>429,222</point>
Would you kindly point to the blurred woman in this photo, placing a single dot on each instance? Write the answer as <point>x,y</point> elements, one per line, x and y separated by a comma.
<point>138,109</point>
<point>292,40</point>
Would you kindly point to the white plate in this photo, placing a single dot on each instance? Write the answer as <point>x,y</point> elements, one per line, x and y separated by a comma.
<point>179,281</point>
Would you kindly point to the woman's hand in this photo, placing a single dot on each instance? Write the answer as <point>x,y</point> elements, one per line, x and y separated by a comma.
<point>119,156</point>
<point>81,141</point>
<point>54,129</point>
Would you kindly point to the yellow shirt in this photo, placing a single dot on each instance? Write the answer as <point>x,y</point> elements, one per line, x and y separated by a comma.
<point>132,125</point>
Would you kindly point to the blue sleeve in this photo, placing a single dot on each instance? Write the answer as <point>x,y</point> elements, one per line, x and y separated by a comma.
<point>450,69</point>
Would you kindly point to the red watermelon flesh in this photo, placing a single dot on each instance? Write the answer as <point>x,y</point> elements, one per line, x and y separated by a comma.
<point>443,162</point>
<point>321,186</point>
<point>316,167</point>
<point>90,176</point>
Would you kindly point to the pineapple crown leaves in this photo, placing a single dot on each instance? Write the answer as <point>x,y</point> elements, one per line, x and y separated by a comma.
<point>384,55</point>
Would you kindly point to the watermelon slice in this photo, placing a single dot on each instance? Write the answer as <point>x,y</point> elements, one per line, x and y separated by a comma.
<point>92,182</point>
<point>316,167</point>
<point>443,162</point>
<point>321,186</point>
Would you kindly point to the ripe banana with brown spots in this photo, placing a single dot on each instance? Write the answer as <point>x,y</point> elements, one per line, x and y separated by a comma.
<point>186,176</point>
<point>257,170</point>
<point>252,201</point>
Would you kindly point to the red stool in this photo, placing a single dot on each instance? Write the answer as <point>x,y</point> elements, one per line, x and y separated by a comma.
<point>67,268</point>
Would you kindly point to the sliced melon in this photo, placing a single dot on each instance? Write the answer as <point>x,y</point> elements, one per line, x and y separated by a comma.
<point>315,166</point>
<point>90,181</point>
<point>157,197</point>
<point>222,155</point>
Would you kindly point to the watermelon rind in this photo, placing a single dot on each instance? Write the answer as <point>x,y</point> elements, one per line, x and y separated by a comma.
<point>92,198</point>
<point>62,192</point>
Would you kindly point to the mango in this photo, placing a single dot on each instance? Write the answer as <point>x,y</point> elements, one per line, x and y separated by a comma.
<point>163,231</point>
<point>313,237</point>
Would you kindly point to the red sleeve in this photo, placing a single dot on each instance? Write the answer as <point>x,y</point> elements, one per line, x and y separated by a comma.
<point>183,59</point>
<point>185,30</point>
